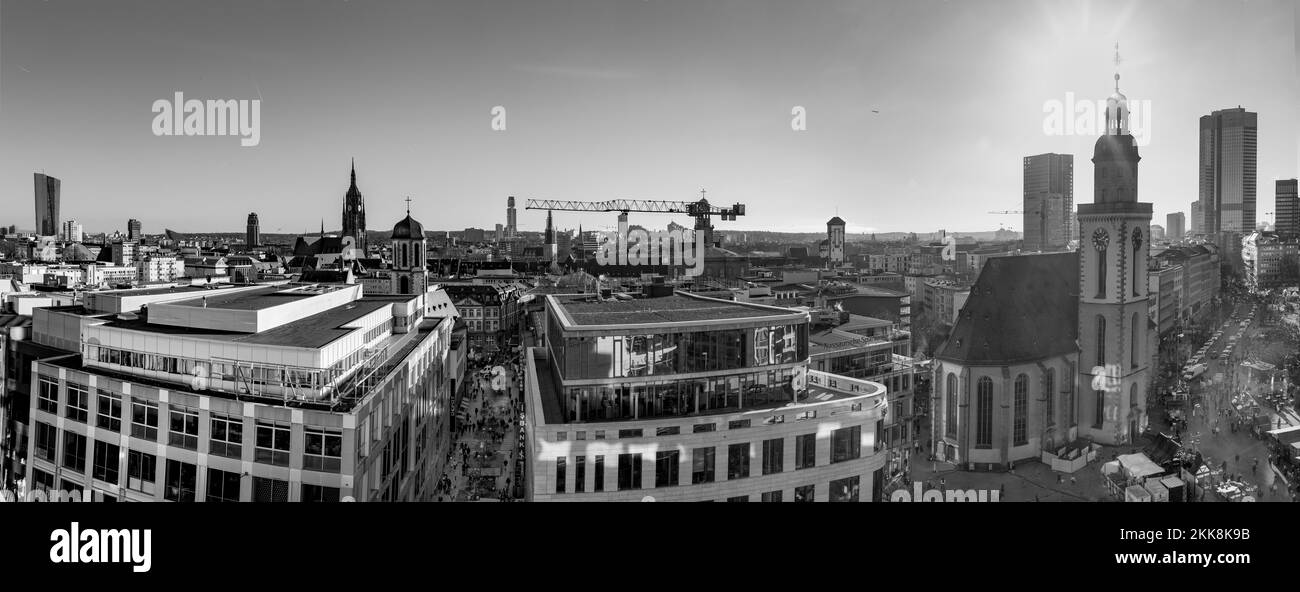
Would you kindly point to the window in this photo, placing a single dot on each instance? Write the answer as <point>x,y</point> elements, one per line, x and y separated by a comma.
<point>738,498</point>
<point>269,490</point>
<point>704,427</point>
<point>738,461</point>
<point>227,436</point>
<point>702,468</point>
<point>984,412</point>
<point>106,462</point>
<point>844,490</point>
<point>319,493</point>
<point>223,486</point>
<point>668,431</point>
<point>629,433</point>
<point>184,427</point>
<point>950,413</point>
<point>1101,341</point>
<point>561,436</point>
<point>600,434</point>
<point>144,419</point>
<point>599,474</point>
<point>1100,242</point>
<point>667,467</point>
<point>804,493</point>
<point>738,424</point>
<point>559,474</point>
<point>805,451</point>
<point>42,481</point>
<point>78,402</point>
<point>846,444</point>
<point>74,451</point>
<point>772,496</point>
<point>580,474</point>
<point>272,444</point>
<point>629,471</point>
<point>1139,263</point>
<point>47,397</point>
<point>180,481</point>
<point>1099,411</point>
<point>1049,399</point>
<point>773,455</point>
<point>47,441</point>
<point>141,469</point>
<point>324,450</point>
<point>1133,346</point>
<point>108,411</point>
<point>1020,410</point>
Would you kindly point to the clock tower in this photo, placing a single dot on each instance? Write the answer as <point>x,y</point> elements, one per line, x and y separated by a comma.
<point>1114,330</point>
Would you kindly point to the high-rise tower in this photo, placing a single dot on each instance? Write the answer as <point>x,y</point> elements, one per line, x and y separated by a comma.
<point>133,230</point>
<point>253,237</point>
<point>354,213</point>
<point>1048,201</point>
<point>1227,170</point>
<point>511,229</point>
<point>1114,334</point>
<point>47,205</point>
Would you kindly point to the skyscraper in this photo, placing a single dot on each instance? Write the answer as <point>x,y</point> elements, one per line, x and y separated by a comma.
<point>511,229</point>
<point>253,236</point>
<point>1227,170</point>
<point>1288,208</point>
<point>133,229</point>
<point>1047,175</point>
<point>47,205</point>
<point>1175,226</point>
<point>1114,337</point>
<point>354,213</point>
<point>1198,219</point>
<point>72,231</point>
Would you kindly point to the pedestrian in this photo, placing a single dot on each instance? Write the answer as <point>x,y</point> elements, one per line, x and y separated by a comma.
<point>1073,481</point>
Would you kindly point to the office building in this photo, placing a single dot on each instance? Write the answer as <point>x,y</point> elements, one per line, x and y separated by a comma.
<point>686,398</point>
<point>1048,178</point>
<point>1270,261</point>
<point>511,229</point>
<point>133,230</point>
<point>297,392</point>
<point>1198,219</point>
<point>47,205</point>
<point>1287,205</point>
<point>1157,232</point>
<point>71,232</point>
<point>1227,171</point>
<point>1175,226</point>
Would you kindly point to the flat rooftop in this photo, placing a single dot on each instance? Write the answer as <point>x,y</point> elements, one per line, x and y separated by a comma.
<point>256,299</point>
<point>587,311</point>
<point>315,331</point>
<point>165,290</point>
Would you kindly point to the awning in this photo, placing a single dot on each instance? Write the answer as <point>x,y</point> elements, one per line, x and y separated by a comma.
<point>1138,466</point>
<point>1286,435</point>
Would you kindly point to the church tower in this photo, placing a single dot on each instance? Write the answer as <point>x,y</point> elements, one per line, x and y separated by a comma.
<point>410,274</point>
<point>1114,331</point>
<point>354,213</point>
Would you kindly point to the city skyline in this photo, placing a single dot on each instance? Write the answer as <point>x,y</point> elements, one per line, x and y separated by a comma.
<point>681,87</point>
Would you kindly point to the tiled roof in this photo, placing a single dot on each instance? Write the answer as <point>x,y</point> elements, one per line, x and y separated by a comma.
<point>1022,308</point>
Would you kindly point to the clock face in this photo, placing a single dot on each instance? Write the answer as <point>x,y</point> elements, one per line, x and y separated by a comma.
<point>1137,238</point>
<point>1100,239</point>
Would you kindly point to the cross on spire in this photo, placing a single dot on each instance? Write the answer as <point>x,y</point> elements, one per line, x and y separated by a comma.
<point>408,205</point>
<point>702,194</point>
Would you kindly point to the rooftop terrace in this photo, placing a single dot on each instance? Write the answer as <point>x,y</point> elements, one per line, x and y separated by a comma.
<point>677,308</point>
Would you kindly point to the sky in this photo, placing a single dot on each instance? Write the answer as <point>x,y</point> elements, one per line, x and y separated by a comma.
<point>917,114</point>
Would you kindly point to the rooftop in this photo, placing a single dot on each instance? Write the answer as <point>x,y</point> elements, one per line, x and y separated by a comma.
<point>677,308</point>
<point>315,331</point>
<point>257,299</point>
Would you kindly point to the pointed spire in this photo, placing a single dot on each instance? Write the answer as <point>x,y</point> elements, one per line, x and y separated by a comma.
<point>354,171</point>
<point>322,228</point>
<point>1117,60</point>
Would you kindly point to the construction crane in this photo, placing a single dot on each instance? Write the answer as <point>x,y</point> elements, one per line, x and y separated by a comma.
<point>1007,212</point>
<point>701,210</point>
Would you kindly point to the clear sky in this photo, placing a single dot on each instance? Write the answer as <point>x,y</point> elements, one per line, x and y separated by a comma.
<point>649,99</point>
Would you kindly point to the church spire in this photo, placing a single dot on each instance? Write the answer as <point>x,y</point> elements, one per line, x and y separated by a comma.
<point>1117,106</point>
<point>354,171</point>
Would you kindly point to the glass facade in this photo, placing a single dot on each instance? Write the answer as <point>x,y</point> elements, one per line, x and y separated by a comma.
<point>679,398</point>
<point>629,356</point>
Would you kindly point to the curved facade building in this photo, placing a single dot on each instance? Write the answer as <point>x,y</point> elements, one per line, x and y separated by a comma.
<point>686,398</point>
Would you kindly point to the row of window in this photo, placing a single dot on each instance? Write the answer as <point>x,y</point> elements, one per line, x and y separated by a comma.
<point>984,407</point>
<point>699,428</point>
<point>845,445</point>
<point>223,486</point>
<point>323,449</point>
